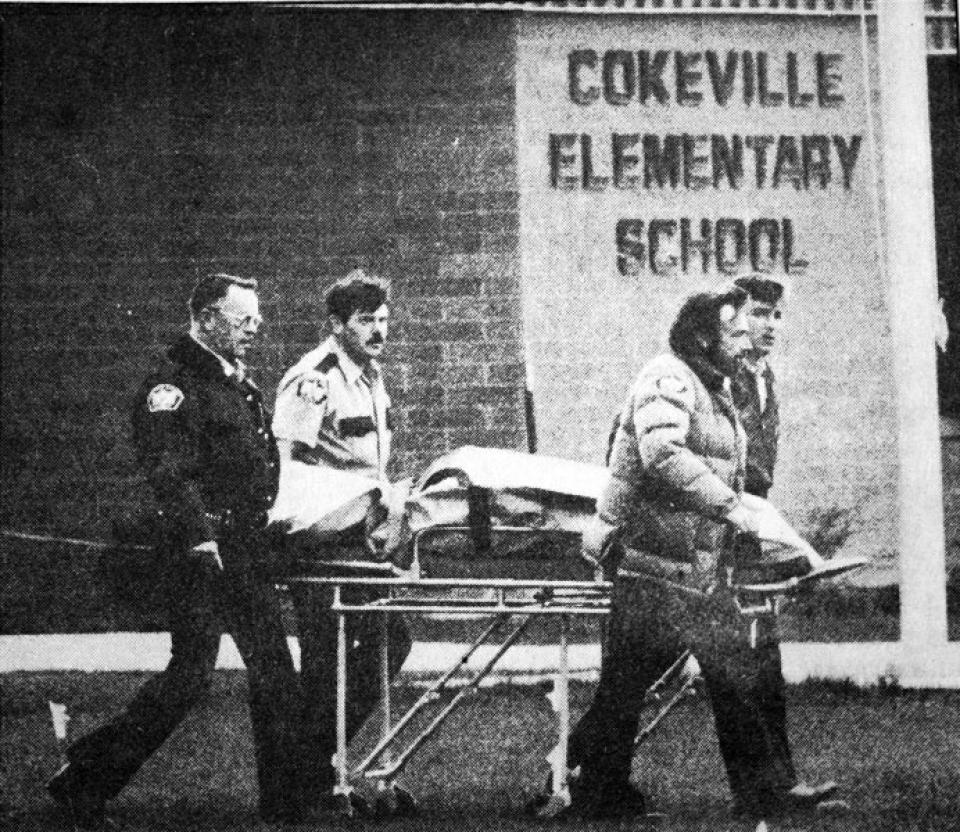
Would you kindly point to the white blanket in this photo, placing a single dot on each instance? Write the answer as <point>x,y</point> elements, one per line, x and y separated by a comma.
<point>322,499</point>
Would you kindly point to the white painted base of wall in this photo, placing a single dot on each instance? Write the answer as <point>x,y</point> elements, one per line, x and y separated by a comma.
<point>867,663</point>
<point>863,663</point>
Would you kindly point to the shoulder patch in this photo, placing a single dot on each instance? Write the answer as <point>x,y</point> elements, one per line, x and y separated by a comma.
<point>312,389</point>
<point>164,397</point>
<point>330,361</point>
<point>672,386</point>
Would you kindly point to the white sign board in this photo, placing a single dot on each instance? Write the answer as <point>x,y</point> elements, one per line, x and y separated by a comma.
<point>660,154</point>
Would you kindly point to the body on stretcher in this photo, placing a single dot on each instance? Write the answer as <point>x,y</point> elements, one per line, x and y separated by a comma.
<point>496,534</point>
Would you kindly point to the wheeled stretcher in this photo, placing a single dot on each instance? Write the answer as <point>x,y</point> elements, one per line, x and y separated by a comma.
<point>496,535</point>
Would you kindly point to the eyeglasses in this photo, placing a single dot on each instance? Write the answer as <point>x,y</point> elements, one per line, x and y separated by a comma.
<point>240,321</point>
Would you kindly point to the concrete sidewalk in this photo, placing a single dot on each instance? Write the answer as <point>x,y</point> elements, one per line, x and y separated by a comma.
<point>150,651</point>
<point>863,663</point>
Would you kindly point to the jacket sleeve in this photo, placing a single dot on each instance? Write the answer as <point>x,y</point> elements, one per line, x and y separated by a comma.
<point>758,479</point>
<point>300,408</point>
<point>169,453</point>
<point>663,405</point>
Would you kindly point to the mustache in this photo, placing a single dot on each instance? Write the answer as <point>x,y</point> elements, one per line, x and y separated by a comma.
<point>375,339</point>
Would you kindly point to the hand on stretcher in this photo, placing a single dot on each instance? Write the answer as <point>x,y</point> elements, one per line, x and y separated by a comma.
<point>781,546</point>
<point>474,491</point>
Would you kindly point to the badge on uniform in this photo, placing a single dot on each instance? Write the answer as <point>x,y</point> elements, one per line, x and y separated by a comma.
<point>312,390</point>
<point>164,397</point>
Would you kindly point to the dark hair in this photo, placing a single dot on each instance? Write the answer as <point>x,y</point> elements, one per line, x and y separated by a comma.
<point>357,292</point>
<point>761,287</point>
<point>700,316</point>
<point>213,287</point>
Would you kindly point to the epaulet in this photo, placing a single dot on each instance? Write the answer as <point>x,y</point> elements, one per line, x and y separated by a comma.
<point>164,370</point>
<point>330,361</point>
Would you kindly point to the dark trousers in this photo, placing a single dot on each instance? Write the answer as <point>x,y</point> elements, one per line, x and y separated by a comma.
<point>317,626</point>
<point>648,629</point>
<point>204,601</point>
<point>767,697</point>
<point>765,701</point>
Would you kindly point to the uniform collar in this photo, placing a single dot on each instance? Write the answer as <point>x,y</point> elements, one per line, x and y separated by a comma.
<point>758,368</point>
<point>350,369</point>
<point>229,369</point>
<point>191,353</point>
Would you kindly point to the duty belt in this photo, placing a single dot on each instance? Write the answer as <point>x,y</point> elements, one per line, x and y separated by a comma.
<point>230,520</point>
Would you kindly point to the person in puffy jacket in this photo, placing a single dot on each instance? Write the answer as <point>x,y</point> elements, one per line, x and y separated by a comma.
<point>672,507</point>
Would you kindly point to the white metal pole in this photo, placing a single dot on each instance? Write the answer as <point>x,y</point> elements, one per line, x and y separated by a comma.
<point>912,274</point>
<point>561,784</point>
<point>385,691</point>
<point>343,776</point>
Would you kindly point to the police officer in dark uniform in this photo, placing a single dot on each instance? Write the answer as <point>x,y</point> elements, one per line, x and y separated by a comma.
<point>204,443</point>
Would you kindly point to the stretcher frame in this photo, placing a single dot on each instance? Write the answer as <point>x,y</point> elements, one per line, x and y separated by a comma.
<point>511,598</point>
<point>506,598</point>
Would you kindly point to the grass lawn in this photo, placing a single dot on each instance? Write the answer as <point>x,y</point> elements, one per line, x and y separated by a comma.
<point>897,755</point>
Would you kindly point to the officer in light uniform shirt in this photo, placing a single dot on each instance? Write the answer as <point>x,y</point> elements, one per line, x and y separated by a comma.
<point>333,411</point>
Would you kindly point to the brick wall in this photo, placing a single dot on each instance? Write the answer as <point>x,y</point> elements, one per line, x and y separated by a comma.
<point>144,146</point>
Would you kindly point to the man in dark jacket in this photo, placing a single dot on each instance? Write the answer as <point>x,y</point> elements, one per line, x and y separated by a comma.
<point>204,444</point>
<point>677,471</point>
<point>753,386</point>
<point>755,396</point>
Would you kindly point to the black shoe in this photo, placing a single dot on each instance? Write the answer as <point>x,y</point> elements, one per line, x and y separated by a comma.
<point>550,803</point>
<point>320,811</point>
<point>805,796</point>
<point>85,811</point>
<point>832,808</point>
<point>801,799</point>
<point>818,798</point>
<point>608,802</point>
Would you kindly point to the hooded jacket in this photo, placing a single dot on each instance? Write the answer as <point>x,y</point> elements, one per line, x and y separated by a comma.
<point>676,468</point>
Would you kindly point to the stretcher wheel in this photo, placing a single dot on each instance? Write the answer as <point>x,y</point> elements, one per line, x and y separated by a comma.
<point>395,802</point>
<point>549,805</point>
<point>347,805</point>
